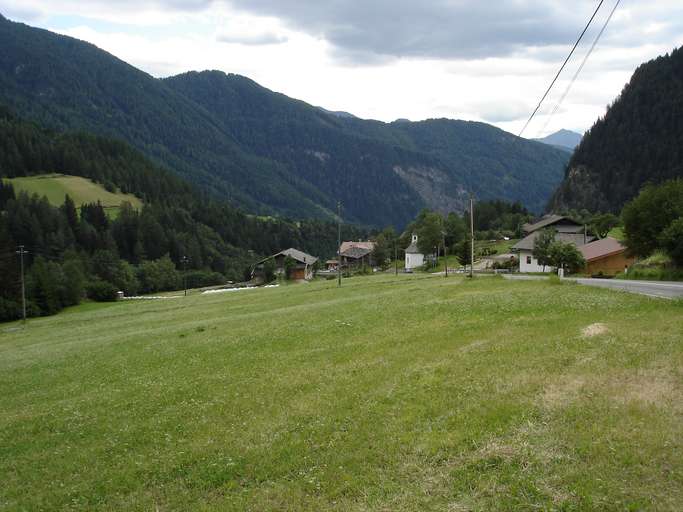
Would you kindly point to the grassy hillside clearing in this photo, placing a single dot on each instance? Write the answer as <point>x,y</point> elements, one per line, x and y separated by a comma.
<point>391,393</point>
<point>81,190</point>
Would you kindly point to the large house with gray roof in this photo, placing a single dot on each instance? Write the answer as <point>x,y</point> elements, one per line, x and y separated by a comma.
<point>566,230</point>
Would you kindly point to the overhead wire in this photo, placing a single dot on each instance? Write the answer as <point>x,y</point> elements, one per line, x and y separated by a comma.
<point>580,68</point>
<point>564,64</point>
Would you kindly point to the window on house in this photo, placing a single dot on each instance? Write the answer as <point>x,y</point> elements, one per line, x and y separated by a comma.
<point>528,260</point>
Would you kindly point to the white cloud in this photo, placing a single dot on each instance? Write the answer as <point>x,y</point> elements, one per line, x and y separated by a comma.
<point>387,60</point>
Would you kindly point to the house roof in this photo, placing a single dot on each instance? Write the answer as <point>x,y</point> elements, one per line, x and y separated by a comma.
<point>295,254</point>
<point>345,246</point>
<point>601,248</point>
<point>413,249</point>
<point>298,255</point>
<point>549,220</point>
<point>527,243</point>
<point>356,252</point>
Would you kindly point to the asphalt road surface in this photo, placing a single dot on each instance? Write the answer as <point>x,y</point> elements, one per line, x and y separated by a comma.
<point>666,289</point>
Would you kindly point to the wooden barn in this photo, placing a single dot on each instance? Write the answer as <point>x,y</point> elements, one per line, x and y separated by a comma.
<point>302,270</point>
<point>606,257</point>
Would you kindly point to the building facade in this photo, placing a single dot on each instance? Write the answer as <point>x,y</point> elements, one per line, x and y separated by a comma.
<point>565,230</point>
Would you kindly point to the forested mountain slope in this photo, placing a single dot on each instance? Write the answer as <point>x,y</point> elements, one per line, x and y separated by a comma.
<point>373,165</point>
<point>177,219</point>
<point>638,141</point>
<point>265,152</point>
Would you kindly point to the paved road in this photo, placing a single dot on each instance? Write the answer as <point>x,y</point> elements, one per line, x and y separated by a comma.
<point>666,289</point>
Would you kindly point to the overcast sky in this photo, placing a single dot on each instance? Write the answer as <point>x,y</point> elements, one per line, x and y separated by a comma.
<point>385,59</point>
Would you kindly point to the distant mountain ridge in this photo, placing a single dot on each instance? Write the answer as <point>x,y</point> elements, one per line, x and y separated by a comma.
<point>563,139</point>
<point>638,141</point>
<point>263,151</point>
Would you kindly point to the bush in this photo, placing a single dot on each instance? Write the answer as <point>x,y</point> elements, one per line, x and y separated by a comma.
<point>671,240</point>
<point>102,291</point>
<point>269,271</point>
<point>648,218</point>
<point>566,256</point>
<point>289,265</point>
<point>202,278</point>
<point>159,275</point>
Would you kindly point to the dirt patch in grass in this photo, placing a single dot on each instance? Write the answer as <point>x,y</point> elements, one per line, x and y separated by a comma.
<point>650,387</point>
<point>564,392</point>
<point>594,330</point>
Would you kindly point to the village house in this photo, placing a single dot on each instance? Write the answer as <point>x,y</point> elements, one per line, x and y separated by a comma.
<point>606,257</point>
<point>414,257</point>
<point>357,254</point>
<point>566,230</point>
<point>302,269</point>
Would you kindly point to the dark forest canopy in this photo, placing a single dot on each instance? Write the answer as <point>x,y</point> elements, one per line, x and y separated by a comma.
<point>265,152</point>
<point>638,141</point>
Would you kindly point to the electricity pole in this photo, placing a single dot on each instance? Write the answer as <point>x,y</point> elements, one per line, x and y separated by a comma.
<point>472,235</point>
<point>21,253</point>
<point>338,243</point>
<point>396,256</point>
<point>445,253</point>
<point>184,260</point>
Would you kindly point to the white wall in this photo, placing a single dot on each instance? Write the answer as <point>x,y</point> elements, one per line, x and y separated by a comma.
<point>414,260</point>
<point>533,266</point>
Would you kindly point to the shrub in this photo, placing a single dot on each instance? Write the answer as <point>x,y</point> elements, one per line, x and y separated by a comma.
<point>269,270</point>
<point>102,291</point>
<point>159,275</point>
<point>671,240</point>
<point>566,256</point>
<point>289,265</point>
<point>202,278</point>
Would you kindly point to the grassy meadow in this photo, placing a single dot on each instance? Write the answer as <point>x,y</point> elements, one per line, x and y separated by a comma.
<point>81,190</point>
<point>393,393</point>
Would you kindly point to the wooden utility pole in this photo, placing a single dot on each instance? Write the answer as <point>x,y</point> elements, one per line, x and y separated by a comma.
<point>472,235</point>
<point>396,256</point>
<point>445,253</point>
<point>21,253</point>
<point>184,260</point>
<point>338,243</point>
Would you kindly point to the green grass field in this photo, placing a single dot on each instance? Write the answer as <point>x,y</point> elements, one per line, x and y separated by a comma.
<point>81,190</point>
<point>392,393</point>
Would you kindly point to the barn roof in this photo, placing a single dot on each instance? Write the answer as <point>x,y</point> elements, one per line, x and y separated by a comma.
<point>368,244</point>
<point>295,254</point>
<point>601,248</point>
<point>527,243</point>
<point>298,255</point>
<point>550,220</point>
<point>356,252</point>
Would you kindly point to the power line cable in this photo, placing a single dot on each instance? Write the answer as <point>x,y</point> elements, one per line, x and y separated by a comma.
<point>562,67</point>
<point>578,71</point>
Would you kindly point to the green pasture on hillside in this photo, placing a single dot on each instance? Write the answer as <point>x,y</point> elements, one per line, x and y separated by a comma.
<point>393,393</point>
<point>81,190</point>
